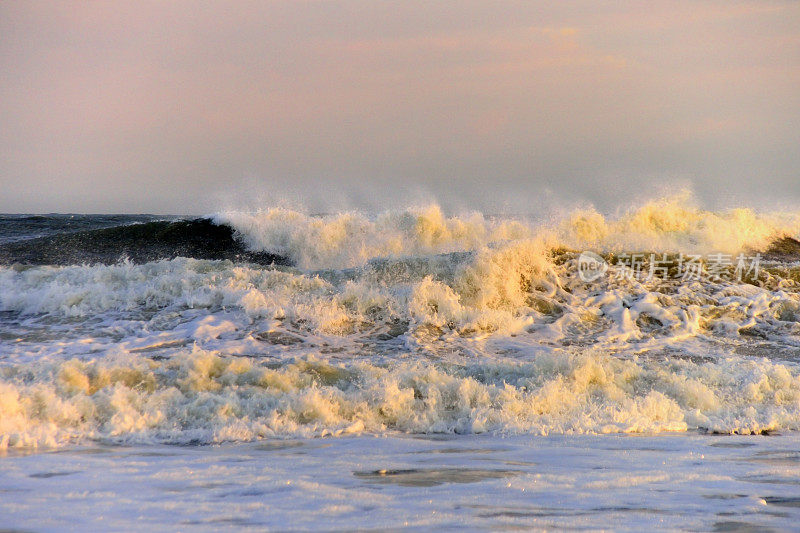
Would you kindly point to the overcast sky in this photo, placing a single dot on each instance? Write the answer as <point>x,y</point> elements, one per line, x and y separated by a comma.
<point>191,107</point>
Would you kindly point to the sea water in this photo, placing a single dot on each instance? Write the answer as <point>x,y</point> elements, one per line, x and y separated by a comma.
<point>409,368</point>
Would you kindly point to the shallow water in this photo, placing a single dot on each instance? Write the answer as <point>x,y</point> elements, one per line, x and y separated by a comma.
<point>621,482</point>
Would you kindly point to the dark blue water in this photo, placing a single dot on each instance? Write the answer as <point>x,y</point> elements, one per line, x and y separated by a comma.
<point>20,227</point>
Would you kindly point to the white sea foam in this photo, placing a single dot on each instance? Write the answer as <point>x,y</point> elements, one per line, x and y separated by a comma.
<point>199,396</point>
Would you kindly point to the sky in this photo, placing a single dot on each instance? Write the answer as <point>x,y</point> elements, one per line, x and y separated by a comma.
<point>195,106</point>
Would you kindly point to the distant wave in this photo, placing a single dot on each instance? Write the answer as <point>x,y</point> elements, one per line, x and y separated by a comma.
<point>351,239</point>
<point>138,243</point>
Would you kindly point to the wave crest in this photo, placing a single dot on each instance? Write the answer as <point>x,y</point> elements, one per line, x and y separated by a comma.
<point>345,240</point>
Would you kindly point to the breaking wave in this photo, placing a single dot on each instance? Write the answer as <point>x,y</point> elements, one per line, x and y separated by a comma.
<point>343,240</point>
<point>408,321</point>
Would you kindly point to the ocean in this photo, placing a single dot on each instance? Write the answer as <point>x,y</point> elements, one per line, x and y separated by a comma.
<point>411,368</point>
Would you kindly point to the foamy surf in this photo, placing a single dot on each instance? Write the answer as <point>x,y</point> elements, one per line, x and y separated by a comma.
<point>412,322</point>
<point>197,396</point>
